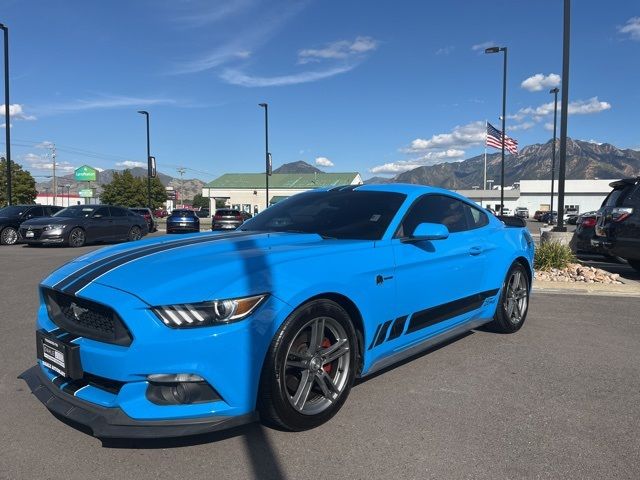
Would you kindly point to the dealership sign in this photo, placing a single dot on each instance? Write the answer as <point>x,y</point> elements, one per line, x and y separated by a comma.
<point>86,193</point>
<point>86,174</point>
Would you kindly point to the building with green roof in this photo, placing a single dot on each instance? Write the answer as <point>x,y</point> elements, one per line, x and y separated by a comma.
<point>246,191</point>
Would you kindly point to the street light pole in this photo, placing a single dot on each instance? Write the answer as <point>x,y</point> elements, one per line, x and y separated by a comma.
<point>504,117</point>
<point>564,111</point>
<point>553,158</point>
<point>146,114</point>
<point>7,119</point>
<point>266,148</point>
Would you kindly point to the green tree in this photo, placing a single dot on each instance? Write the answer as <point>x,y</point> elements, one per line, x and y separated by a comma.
<point>130,191</point>
<point>200,202</point>
<point>23,186</point>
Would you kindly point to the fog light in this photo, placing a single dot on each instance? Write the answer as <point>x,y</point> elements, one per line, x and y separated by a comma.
<point>179,389</point>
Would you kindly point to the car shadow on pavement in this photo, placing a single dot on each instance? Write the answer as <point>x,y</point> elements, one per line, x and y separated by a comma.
<point>412,358</point>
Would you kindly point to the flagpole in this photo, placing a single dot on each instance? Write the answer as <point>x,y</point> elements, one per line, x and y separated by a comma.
<point>484,185</point>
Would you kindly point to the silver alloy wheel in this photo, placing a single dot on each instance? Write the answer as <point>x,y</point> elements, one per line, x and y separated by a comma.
<point>135,234</point>
<point>77,237</point>
<point>317,366</point>
<point>9,236</point>
<point>517,297</point>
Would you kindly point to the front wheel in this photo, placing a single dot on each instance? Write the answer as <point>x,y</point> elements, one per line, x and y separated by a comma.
<point>310,367</point>
<point>514,301</point>
<point>135,233</point>
<point>77,238</point>
<point>8,236</point>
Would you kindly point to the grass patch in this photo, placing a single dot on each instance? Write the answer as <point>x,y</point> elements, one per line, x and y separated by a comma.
<point>552,255</point>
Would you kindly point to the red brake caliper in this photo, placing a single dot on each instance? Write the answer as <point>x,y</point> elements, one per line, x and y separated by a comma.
<point>326,344</point>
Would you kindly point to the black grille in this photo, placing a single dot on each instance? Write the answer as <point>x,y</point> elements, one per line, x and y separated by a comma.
<point>36,233</point>
<point>85,318</point>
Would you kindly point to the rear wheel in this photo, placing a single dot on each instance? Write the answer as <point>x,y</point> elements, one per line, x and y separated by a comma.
<point>8,236</point>
<point>135,233</point>
<point>77,237</point>
<point>310,367</point>
<point>512,309</point>
<point>635,264</point>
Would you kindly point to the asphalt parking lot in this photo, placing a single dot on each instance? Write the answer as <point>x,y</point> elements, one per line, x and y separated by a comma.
<point>559,399</point>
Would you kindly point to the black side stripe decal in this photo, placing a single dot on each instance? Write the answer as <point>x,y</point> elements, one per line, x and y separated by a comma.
<point>86,275</point>
<point>398,327</point>
<point>383,333</point>
<point>375,337</point>
<point>431,316</point>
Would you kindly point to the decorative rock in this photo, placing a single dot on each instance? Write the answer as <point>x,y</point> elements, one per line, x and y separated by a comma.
<point>577,273</point>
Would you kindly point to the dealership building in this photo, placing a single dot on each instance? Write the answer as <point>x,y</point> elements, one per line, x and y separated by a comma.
<point>246,191</point>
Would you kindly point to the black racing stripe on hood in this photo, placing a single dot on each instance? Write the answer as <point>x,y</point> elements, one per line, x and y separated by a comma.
<point>86,275</point>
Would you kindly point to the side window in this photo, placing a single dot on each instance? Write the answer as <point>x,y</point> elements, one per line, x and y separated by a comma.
<point>35,212</point>
<point>102,211</point>
<point>457,215</point>
<point>117,212</point>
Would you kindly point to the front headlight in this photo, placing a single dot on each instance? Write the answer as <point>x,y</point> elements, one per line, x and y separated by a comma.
<point>217,312</point>
<point>53,228</point>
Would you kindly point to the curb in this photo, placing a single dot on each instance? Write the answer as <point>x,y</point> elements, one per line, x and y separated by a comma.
<point>629,289</point>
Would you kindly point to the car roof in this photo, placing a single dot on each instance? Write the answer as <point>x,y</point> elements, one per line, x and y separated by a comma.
<point>411,190</point>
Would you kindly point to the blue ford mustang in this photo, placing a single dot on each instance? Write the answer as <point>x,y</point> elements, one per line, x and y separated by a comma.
<point>276,319</point>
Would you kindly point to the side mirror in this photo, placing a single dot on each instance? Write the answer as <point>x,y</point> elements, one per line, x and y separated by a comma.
<point>428,231</point>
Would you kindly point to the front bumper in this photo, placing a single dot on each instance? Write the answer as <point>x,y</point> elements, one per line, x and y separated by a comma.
<point>114,422</point>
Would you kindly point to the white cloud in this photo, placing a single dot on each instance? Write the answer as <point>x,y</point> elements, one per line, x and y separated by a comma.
<point>521,126</point>
<point>199,14</point>
<point>483,45</point>
<point>43,162</point>
<point>105,102</point>
<point>16,112</point>
<point>236,77</point>
<point>430,158</point>
<point>445,50</point>
<point>340,50</point>
<point>459,137</point>
<point>548,126</point>
<point>577,107</point>
<point>632,27</point>
<point>324,162</point>
<point>539,81</point>
<point>130,164</point>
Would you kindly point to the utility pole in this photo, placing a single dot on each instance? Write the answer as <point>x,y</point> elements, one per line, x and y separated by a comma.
<point>181,171</point>
<point>7,115</point>
<point>564,113</point>
<point>55,183</point>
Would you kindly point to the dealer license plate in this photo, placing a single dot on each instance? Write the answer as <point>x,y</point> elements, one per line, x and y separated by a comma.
<point>183,224</point>
<point>29,234</point>
<point>59,356</point>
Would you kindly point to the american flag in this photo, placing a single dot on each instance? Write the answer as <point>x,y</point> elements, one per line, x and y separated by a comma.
<point>494,139</point>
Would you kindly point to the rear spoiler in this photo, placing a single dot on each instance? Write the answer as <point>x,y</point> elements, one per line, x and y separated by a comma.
<point>510,221</point>
<point>624,181</point>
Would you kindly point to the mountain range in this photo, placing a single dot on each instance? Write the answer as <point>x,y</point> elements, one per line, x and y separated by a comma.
<point>585,160</point>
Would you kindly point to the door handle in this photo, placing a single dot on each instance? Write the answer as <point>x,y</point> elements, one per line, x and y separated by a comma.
<point>475,250</point>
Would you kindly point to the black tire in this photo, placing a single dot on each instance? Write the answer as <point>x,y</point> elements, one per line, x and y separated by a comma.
<point>278,389</point>
<point>135,233</point>
<point>9,236</point>
<point>511,311</point>
<point>77,238</point>
<point>635,264</point>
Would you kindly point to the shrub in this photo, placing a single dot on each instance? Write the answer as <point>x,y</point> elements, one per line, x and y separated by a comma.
<point>552,255</point>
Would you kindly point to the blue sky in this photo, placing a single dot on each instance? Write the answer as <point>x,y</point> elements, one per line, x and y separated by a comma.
<point>376,87</point>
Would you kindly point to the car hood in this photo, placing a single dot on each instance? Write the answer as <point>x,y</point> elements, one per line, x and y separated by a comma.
<point>202,267</point>
<point>46,221</point>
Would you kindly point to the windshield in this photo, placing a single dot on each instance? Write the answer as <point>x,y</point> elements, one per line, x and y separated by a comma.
<point>357,215</point>
<point>77,211</point>
<point>12,211</point>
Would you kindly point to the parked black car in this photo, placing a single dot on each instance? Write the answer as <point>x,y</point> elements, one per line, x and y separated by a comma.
<point>183,220</point>
<point>548,217</point>
<point>80,224</point>
<point>202,213</point>
<point>146,213</point>
<point>12,217</point>
<point>228,219</point>
<point>618,222</point>
<point>585,231</point>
